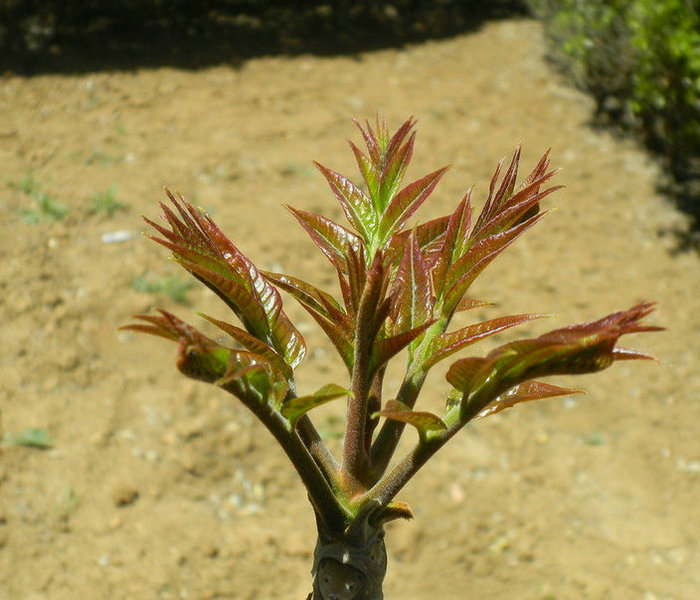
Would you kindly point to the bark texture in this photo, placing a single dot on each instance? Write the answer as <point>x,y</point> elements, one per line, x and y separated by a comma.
<point>349,565</point>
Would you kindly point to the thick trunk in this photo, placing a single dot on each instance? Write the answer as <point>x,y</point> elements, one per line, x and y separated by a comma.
<point>349,565</point>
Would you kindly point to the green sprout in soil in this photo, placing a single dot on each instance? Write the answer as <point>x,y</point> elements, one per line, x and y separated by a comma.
<point>33,437</point>
<point>399,288</point>
<point>107,203</point>
<point>45,209</point>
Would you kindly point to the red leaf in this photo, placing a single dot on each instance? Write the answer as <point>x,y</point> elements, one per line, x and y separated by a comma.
<point>384,349</point>
<point>253,344</point>
<point>202,248</point>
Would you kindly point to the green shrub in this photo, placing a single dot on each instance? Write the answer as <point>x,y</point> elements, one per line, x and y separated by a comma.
<point>641,61</point>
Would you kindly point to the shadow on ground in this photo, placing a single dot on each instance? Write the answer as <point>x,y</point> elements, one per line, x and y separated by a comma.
<point>194,36</point>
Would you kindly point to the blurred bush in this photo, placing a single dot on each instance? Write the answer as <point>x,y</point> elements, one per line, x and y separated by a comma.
<point>640,59</point>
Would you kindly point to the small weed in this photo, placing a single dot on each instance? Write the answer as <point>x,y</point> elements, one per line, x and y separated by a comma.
<point>45,209</point>
<point>107,203</point>
<point>32,437</point>
<point>27,185</point>
<point>103,159</point>
<point>171,286</point>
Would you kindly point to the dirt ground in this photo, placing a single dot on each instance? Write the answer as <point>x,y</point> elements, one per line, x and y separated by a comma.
<point>157,487</point>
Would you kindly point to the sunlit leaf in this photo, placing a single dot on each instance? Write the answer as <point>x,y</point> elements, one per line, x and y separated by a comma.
<point>396,161</point>
<point>253,344</point>
<point>293,408</point>
<point>464,272</point>
<point>412,291</point>
<point>525,392</point>
<point>406,202</point>
<point>384,349</point>
<point>448,343</point>
<point>356,205</point>
<point>333,239</point>
<point>422,421</point>
<point>202,248</point>
<point>577,349</point>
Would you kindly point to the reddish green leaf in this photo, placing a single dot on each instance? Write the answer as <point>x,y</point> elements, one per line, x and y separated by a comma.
<point>412,291</point>
<point>454,242</point>
<point>463,273</point>
<point>398,137</point>
<point>525,392</point>
<point>430,237</point>
<point>356,205</point>
<point>202,248</point>
<point>325,311</point>
<point>395,163</point>
<point>385,348</point>
<point>294,408</point>
<point>422,421</point>
<point>368,170</point>
<point>406,202</point>
<point>371,141</point>
<point>448,343</point>
<point>332,239</point>
<point>577,349</point>
<point>254,345</point>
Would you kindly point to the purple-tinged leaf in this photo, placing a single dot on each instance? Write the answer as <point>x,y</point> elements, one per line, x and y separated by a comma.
<point>412,291</point>
<point>357,276</point>
<point>521,206</point>
<point>309,296</point>
<point>324,309</point>
<point>160,326</point>
<point>294,408</point>
<point>333,239</point>
<point>525,392</point>
<point>357,206</point>
<point>463,374</point>
<point>448,343</point>
<point>422,421</point>
<point>406,202</point>
<point>470,304</point>
<point>199,357</point>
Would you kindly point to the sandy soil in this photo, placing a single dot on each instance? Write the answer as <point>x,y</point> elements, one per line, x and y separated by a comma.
<point>157,487</point>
